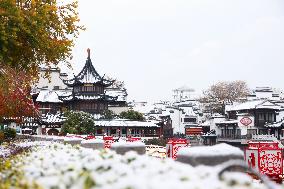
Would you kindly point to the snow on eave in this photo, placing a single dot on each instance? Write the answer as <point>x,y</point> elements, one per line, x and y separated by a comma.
<point>125,123</point>
<point>227,122</point>
<point>255,104</point>
<point>48,96</point>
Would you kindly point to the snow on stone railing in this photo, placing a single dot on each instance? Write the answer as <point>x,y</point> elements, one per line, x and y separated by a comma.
<point>122,147</point>
<point>209,155</point>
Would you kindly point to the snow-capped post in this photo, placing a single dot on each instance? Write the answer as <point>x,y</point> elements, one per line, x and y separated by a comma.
<point>174,145</point>
<point>108,141</point>
<point>265,157</point>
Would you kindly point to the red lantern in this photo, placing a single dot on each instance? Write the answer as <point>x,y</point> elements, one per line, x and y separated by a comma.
<point>108,141</point>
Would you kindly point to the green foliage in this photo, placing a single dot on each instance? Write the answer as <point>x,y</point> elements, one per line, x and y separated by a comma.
<point>108,114</point>
<point>9,133</point>
<point>32,32</point>
<point>132,115</point>
<point>156,141</point>
<point>78,123</point>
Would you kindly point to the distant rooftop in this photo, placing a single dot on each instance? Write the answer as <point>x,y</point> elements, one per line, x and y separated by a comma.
<point>184,88</point>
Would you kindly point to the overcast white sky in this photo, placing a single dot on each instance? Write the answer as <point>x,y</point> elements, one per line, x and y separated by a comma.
<point>155,46</point>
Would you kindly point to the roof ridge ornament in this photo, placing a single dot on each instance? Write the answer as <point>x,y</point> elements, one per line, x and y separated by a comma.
<point>89,52</point>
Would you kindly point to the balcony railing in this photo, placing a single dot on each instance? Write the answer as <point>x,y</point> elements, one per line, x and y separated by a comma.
<point>246,137</point>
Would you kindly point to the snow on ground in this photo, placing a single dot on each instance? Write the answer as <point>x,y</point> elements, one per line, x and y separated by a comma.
<point>55,165</point>
<point>123,143</point>
<point>4,152</point>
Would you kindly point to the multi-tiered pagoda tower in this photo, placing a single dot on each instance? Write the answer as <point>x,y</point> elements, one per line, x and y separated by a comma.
<point>88,90</point>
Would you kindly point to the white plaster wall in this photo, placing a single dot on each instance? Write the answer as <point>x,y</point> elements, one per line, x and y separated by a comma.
<point>280,116</point>
<point>213,122</point>
<point>175,117</point>
<point>54,81</point>
<point>118,110</point>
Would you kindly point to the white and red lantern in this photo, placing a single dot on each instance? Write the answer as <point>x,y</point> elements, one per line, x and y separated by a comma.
<point>174,145</point>
<point>108,141</point>
<point>266,157</point>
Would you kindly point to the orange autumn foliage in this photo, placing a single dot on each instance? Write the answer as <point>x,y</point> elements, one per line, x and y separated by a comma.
<point>15,98</point>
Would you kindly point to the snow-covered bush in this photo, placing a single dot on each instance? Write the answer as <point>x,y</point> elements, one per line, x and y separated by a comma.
<point>60,166</point>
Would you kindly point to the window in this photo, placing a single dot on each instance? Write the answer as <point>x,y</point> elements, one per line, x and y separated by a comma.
<point>123,131</point>
<point>101,106</point>
<point>113,131</point>
<point>262,131</point>
<point>238,132</point>
<point>99,131</point>
<point>97,89</point>
<point>191,120</point>
<point>261,117</point>
<point>252,131</point>
<point>270,117</point>
<point>56,87</point>
<point>222,132</point>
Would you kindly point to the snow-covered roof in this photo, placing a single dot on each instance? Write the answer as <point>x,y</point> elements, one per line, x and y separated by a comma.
<point>53,118</point>
<point>263,89</point>
<point>116,92</point>
<point>205,124</point>
<point>87,97</point>
<point>275,124</point>
<point>125,123</point>
<point>143,108</point>
<point>88,75</point>
<point>227,122</point>
<point>217,115</point>
<point>189,111</point>
<point>255,104</point>
<point>49,96</point>
<point>184,88</point>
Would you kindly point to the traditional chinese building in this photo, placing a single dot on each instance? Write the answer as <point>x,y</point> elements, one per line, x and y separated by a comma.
<point>248,119</point>
<point>127,128</point>
<point>88,91</point>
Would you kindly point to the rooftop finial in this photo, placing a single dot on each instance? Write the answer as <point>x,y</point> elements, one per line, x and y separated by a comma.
<point>88,50</point>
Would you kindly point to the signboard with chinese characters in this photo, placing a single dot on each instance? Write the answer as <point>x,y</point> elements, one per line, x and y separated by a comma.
<point>245,121</point>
